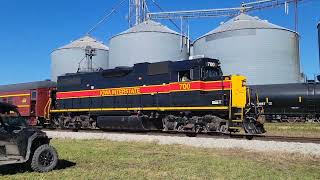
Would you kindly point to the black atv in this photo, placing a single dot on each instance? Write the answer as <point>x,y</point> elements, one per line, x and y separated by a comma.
<point>22,144</point>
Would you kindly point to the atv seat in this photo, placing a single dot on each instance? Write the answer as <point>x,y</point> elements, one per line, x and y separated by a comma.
<point>3,143</point>
<point>10,148</point>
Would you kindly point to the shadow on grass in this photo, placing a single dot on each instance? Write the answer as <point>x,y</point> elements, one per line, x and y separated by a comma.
<point>22,168</point>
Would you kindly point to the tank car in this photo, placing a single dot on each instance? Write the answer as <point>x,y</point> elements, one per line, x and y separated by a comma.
<point>189,96</point>
<point>289,102</point>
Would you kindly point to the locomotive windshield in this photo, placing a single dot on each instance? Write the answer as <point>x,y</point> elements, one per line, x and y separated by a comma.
<point>210,73</point>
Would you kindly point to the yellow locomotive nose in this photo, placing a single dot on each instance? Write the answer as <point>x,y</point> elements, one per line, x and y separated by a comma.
<point>239,91</point>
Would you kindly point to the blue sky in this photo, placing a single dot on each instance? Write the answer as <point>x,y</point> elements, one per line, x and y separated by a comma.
<point>31,29</point>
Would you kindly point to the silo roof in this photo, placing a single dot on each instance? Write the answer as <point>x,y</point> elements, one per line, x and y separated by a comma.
<point>244,21</point>
<point>85,41</point>
<point>150,26</point>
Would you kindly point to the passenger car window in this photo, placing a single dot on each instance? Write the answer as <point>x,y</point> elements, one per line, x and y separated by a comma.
<point>34,95</point>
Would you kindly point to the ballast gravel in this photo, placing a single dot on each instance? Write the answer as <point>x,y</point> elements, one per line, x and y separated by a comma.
<point>220,143</point>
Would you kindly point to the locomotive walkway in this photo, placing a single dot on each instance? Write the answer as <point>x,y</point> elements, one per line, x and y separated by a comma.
<point>259,145</point>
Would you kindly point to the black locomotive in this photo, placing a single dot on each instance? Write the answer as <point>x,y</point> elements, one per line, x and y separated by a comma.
<point>289,102</point>
<point>189,96</point>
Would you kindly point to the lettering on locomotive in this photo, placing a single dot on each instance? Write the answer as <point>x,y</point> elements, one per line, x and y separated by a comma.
<point>120,91</point>
<point>211,64</point>
<point>184,86</point>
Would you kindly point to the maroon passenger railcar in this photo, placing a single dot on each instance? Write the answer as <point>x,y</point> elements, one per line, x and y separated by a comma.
<point>31,98</point>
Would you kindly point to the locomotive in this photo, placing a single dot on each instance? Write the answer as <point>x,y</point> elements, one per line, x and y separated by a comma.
<point>289,102</point>
<point>189,96</point>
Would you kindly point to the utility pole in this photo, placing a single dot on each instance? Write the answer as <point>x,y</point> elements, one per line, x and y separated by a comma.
<point>296,16</point>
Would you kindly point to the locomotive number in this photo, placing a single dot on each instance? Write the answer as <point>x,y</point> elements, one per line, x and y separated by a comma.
<point>185,86</point>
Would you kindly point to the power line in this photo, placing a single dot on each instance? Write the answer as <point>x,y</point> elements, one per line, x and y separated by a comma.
<point>79,64</point>
<point>113,10</point>
<point>159,7</point>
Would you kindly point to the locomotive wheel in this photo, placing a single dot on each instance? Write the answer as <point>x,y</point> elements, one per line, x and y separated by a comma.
<point>223,129</point>
<point>191,134</point>
<point>291,120</point>
<point>249,126</point>
<point>249,137</point>
<point>180,128</point>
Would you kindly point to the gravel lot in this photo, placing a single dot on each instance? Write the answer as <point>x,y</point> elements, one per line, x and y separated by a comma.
<point>248,145</point>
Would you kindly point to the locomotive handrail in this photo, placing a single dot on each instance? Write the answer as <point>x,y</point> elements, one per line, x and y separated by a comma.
<point>47,109</point>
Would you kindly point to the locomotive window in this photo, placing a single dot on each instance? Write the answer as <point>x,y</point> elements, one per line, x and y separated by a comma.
<point>209,73</point>
<point>184,76</point>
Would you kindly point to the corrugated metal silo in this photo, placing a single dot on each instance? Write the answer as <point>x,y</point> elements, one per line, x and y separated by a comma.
<point>71,57</point>
<point>264,52</point>
<point>147,42</point>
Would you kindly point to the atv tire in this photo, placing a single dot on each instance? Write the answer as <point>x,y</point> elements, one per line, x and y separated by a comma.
<point>44,159</point>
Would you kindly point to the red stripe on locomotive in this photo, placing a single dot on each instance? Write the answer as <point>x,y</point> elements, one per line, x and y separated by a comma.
<point>165,88</point>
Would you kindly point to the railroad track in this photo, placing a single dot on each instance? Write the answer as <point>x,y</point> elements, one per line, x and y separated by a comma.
<point>291,139</point>
<point>217,136</point>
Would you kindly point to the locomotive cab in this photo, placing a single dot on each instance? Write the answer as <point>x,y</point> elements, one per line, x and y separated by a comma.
<point>200,70</point>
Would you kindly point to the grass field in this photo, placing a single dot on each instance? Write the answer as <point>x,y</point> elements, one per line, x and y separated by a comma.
<point>294,129</point>
<point>98,159</point>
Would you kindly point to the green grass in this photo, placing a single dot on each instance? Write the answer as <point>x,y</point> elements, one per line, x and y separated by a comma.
<point>294,129</point>
<point>100,159</point>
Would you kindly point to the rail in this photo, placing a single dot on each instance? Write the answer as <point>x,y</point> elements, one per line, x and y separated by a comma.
<point>288,139</point>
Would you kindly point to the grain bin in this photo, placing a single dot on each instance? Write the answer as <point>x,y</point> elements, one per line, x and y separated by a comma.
<point>264,52</point>
<point>70,58</point>
<point>147,42</point>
